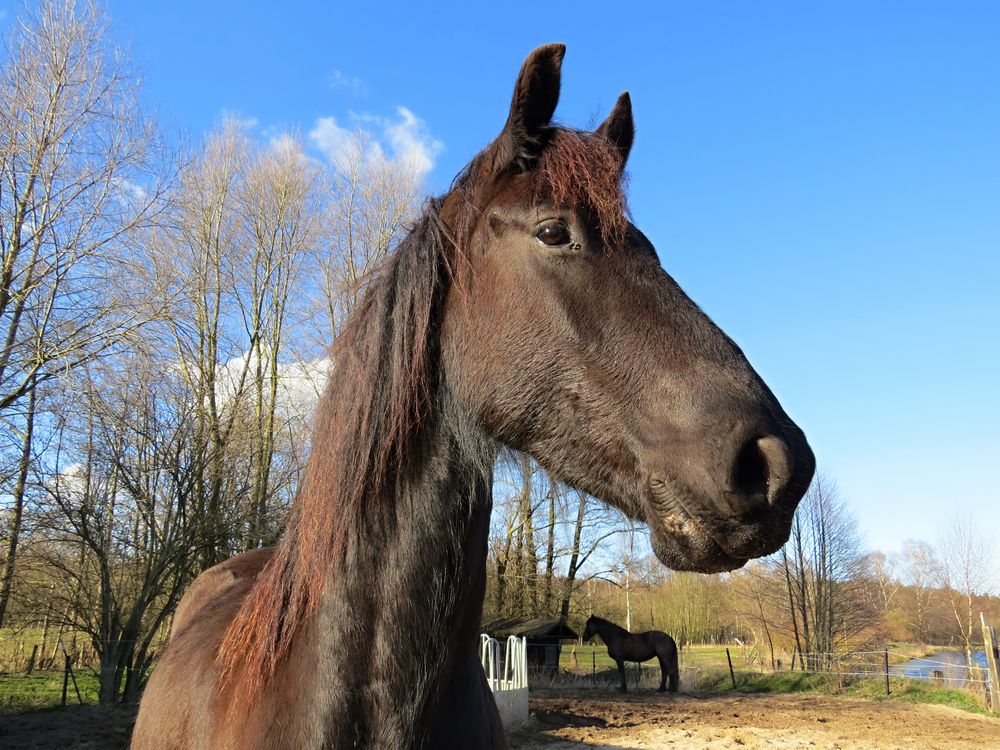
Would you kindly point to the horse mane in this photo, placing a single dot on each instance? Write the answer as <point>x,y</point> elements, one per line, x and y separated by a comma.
<point>613,626</point>
<point>381,394</point>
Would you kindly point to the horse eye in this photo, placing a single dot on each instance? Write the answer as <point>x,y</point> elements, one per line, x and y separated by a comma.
<point>553,234</point>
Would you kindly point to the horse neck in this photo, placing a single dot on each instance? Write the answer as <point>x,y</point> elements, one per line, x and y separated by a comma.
<point>402,611</point>
<point>607,628</point>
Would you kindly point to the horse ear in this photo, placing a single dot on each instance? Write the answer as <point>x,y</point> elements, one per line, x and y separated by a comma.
<point>619,128</point>
<point>536,94</point>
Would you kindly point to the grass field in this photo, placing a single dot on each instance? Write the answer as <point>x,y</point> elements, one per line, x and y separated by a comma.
<point>691,657</point>
<point>20,692</point>
<point>908,691</point>
<point>704,669</point>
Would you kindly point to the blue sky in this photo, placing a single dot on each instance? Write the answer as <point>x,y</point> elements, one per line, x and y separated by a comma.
<point>824,179</point>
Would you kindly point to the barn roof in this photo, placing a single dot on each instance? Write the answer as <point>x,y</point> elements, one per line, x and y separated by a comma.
<point>531,627</point>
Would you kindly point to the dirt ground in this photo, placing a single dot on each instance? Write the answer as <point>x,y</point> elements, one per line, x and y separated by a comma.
<point>584,720</point>
<point>72,728</point>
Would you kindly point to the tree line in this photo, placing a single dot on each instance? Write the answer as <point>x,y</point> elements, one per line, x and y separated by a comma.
<point>165,311</point>
<point>822,594</point>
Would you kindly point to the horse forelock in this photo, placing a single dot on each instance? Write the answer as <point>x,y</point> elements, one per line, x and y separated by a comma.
<point>575,169</point>
<point>578,169</point>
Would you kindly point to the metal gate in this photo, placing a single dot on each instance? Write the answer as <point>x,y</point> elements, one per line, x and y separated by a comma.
<point>507,676</point>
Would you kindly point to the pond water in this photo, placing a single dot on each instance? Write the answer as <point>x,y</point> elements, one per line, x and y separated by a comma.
<point>948,666</point>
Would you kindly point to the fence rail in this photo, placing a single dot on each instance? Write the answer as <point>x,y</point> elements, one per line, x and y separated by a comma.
<point>586,666</point>
<point>22,658</point>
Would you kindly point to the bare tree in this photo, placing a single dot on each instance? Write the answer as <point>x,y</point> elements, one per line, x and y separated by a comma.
<point>965,569</point>
<point>228,267</point>
<point>81,176</point>
<point>24,465</point>
<point>575,527</point>
<point>919,573</point>
<point>820,563</point>
<point>879,582</point>
<point>280,212</point>
<point>113,534</point>
<point>372,200</point>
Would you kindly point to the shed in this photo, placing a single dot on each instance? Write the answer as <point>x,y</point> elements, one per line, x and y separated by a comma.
<point>544,636</point>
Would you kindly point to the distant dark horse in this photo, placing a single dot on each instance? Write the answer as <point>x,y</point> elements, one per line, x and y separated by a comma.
<point>523,310</point>
<point>624,646</point>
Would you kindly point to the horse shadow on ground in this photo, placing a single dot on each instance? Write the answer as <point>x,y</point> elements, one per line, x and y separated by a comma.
<point>535,735</point>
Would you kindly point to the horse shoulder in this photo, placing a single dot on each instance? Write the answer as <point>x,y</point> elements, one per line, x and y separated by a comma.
<point>215,583</point>
<point>175,712</point>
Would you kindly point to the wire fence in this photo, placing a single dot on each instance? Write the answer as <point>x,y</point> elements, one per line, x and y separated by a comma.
<point>27,655</point>
<point>591,667</point>
<point>29,651</point>
<point>946,668</point>
<point>42,667</point>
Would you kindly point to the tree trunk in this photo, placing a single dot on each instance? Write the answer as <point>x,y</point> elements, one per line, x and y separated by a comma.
<point>791,604</point>
<point>529,567</point>
<point>550,549</point>
<point>24,465</point>
<point>573,559</point>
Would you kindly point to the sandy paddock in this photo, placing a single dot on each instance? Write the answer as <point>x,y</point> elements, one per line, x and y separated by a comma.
<point>594,720</point>
<point>587,719</point>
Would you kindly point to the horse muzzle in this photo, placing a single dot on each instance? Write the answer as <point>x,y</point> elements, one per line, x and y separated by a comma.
<point>748,515</point>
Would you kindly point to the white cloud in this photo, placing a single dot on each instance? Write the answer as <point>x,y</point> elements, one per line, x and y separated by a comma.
<point>411,141</point>
<point>355,85</point>
<point>405,140</point>
<point>129,192</point>
<point>299,384</point>
<point>246,124</point>
<point>331,139</point>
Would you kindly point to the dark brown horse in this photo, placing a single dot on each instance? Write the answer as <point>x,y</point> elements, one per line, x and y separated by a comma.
<point>523,310</point>
<point>624,646</point>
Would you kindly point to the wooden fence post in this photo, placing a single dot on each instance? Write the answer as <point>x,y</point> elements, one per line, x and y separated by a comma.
<point>886,654</point>
<point>67,675</point>
<point>732,675</point>
<point>65,680</point>
<point>990,646</point>
<point>31,661</point>
<point>76,687</point>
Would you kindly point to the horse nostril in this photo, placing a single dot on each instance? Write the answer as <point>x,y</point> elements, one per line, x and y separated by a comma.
<point>750,473</point>
<point>762,470</point>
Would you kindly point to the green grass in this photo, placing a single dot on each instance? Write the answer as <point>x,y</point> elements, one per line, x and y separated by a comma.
<point>915,691</point>
<point>908,691</point>
<point>16,645</point>
<point>699,657</point>
<point>20,692</point>
<point>705,669</point>
<point>719,681</point>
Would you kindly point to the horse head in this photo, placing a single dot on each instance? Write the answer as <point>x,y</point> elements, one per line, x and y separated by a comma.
<point>567,340</point>
<point>589,630</point>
